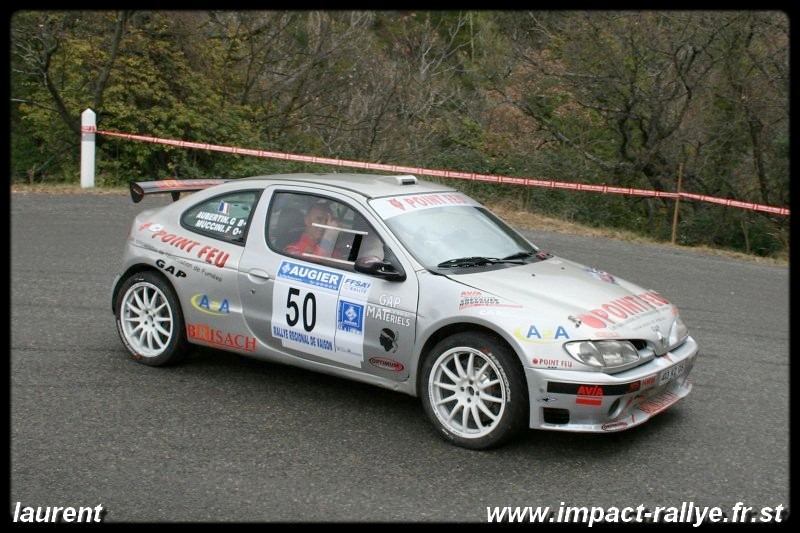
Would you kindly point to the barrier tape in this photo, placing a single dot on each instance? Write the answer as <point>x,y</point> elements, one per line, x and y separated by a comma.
<point>443,173</point>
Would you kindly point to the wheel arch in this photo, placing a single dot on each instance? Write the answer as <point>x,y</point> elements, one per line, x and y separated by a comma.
<point>452,329</point>
<point>137,269</point>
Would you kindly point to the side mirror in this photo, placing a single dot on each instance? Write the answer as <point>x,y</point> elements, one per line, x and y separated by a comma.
<point>375,266</point>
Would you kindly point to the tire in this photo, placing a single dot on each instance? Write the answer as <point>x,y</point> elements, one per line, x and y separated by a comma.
<point>150,321</point>
<point>473,391</point>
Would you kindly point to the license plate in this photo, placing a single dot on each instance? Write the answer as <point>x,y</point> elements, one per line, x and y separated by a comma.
<point>671,373</point>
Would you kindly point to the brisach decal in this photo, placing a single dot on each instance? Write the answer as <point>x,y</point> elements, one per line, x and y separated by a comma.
<point>545,336</point>
<point>201,302</point>
<point>310,275</point>
<point>616,312</point>
<point>208,253</point>
<point>221,338</point>
<point>589,395</point>
<point>658,403</point>
<point>478,299</point>
<point>386,364</point>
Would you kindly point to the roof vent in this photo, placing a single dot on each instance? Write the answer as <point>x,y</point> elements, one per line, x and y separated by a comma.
<point>406,180</point>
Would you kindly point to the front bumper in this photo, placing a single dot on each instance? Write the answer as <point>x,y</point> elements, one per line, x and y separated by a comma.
<point>594,402</point>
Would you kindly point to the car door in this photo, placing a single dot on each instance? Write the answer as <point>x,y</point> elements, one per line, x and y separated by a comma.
<point>317,307</point>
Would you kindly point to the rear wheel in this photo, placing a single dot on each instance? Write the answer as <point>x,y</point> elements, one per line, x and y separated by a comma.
<point>149,320</point>
<point>474,390</point>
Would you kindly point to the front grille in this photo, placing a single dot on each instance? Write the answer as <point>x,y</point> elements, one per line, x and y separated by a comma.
<point>553,415</point>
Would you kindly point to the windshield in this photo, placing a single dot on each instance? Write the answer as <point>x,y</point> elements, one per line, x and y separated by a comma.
<point>460,236</point>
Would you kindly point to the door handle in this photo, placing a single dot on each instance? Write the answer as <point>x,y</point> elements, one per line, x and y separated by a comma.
<point>257,275</point>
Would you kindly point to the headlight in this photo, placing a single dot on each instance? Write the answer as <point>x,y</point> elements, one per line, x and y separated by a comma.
<point>605,355</point>
<point>678,332</point>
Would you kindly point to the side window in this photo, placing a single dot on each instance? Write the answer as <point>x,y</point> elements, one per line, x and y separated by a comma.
<point>319,229</point>
<point>223,217</point>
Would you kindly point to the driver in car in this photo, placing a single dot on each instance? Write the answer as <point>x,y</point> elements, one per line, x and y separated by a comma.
<point>315,240</point>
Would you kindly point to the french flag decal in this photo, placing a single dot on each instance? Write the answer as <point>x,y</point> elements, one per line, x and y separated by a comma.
<point>224,208</point>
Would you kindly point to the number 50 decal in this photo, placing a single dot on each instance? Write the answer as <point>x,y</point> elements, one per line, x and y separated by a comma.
<point>309,309</point>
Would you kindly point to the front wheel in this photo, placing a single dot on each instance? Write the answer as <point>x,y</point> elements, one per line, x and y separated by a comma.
<point>474,390</point>
<point>149,320</point>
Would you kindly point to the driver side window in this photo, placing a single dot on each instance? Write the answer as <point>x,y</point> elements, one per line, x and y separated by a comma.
<point>320,230</point>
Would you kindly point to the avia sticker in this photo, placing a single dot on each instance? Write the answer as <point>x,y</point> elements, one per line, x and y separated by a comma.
<point>202,303</point>
<point>545,336</point>
<point>589,395</point>
<point>477,299</point>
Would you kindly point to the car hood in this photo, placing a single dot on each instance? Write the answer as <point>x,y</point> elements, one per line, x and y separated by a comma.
<point>569,292</point>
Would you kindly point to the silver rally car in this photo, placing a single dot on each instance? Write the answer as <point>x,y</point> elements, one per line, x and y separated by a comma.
<point>405,284</point>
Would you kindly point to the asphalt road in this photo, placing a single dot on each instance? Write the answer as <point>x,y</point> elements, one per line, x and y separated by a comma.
<point>222,438</point>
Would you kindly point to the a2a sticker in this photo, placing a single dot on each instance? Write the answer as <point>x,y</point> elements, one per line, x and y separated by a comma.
<point>203,303</point>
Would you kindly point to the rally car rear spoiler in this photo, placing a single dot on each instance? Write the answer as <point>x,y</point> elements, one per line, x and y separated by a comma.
<point>175,187</point>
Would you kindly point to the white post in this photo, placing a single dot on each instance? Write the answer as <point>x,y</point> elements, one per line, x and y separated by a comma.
<point>88,128</point>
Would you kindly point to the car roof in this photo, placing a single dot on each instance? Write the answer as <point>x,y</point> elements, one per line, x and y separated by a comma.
<point>367,185</point>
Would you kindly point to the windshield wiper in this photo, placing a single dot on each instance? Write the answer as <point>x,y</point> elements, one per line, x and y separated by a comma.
<point>519,255</point>
<point>476,261</point>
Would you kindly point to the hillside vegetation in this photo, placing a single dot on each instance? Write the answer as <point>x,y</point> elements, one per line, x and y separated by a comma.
<point>637,99</point>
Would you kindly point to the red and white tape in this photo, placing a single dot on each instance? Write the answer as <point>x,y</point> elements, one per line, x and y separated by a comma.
<point>444,173</point>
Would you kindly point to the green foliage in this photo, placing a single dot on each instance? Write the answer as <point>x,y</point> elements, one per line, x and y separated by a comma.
<point>599,97</point>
